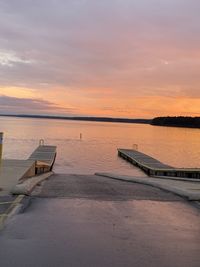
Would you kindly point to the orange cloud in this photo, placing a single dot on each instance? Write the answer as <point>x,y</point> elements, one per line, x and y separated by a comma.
<point>18,92</point>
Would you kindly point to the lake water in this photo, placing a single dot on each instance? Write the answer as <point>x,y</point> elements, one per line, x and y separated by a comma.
<point>97,151</point>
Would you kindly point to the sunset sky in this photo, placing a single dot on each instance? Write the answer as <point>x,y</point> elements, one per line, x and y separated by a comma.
<point>114,58</point>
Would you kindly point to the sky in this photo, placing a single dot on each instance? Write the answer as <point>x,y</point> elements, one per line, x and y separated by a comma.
<point>113,58</point>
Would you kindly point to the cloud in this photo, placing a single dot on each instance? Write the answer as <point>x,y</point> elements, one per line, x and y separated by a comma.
<point>10,105</point>
<point>127,48</point>
<point>9,59</point>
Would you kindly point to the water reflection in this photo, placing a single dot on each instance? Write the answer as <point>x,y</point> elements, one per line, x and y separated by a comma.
<point>97,151</point>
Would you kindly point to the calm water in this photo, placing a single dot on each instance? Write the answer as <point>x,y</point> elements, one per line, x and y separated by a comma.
<point>97,151</point>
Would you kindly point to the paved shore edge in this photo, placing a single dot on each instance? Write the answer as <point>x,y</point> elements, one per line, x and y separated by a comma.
<point>26,187</point>
<point>22,190</point>
<point>155,182</point>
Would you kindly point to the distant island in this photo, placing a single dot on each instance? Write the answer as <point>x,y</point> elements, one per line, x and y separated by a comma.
<point>98,119</point>
<point>190,122</point>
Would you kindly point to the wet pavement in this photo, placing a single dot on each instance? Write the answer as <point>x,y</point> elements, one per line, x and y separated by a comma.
<point>78,220</point>
<point>99,188</point>
<point>5,202</point>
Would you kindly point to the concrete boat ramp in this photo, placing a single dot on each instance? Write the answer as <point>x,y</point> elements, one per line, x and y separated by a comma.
<point>91,220</point>
<point>14,170</point>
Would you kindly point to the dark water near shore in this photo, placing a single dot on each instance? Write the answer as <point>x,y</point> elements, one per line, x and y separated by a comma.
<point>97,151</point>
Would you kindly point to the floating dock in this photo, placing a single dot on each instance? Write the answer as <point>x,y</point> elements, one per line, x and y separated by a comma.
<point>153,167</point>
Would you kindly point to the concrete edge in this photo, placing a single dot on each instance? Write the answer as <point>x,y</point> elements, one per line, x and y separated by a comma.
<point>13,209</point>
<point>176,178</point>
<point>22,189</point>
<point>26,187</point>
<point>180,192</point>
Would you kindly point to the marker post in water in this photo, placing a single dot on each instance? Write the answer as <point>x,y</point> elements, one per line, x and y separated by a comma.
<point>1,145</point>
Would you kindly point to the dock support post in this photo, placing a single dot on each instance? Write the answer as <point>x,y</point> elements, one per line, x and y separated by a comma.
<point>135,146</point>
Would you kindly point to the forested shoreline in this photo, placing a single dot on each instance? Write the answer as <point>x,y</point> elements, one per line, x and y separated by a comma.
<point>190,122</point>
<point>181,121</point>
<point>97,119</point>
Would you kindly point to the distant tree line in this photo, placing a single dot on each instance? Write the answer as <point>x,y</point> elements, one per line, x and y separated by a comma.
<point>191,122</point>
<point>100,119</point>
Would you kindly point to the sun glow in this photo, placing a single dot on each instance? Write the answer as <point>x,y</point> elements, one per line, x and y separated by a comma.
<point>19,92</point>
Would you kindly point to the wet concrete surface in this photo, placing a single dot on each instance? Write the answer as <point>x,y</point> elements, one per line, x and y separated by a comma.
<point>99,188</point>
<point>5,202</point>
<point>69,225</point>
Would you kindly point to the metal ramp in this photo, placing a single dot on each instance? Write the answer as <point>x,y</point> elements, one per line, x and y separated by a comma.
<point>45,157</point>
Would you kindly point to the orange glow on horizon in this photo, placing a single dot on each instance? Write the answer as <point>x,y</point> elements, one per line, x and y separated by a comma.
<point>90,103</point>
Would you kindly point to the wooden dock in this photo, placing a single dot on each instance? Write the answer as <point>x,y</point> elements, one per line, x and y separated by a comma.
<point>45,157</point>
<point>14,170</point>
<point>153,167</point>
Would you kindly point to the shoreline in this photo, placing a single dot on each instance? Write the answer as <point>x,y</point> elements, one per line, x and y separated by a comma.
<point>92,119</point>
<point>151,122</point>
